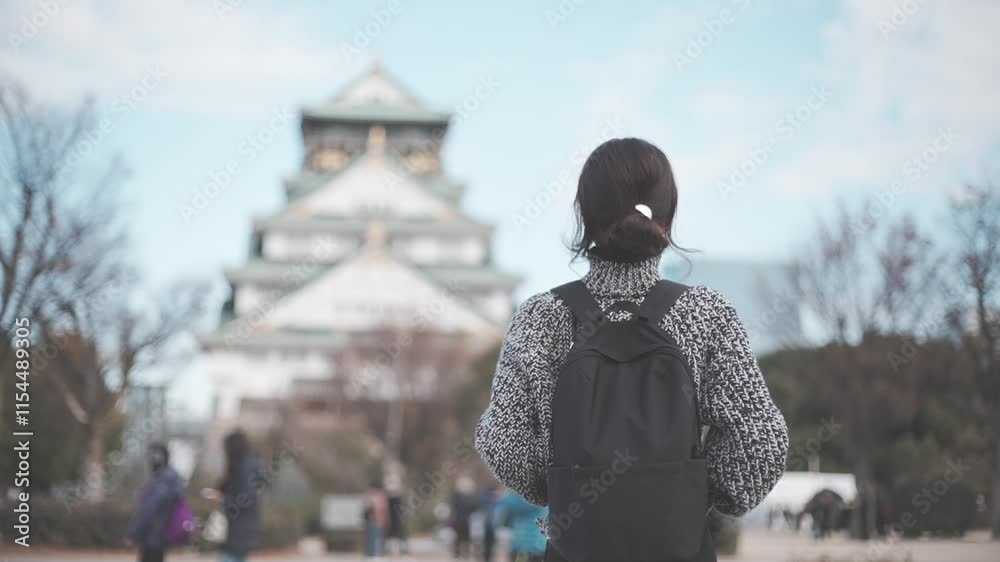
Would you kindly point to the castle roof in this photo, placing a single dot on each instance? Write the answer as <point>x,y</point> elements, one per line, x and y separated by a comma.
<point>375,97</point>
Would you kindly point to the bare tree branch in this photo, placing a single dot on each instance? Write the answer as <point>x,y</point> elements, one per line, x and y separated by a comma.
<point>63,248</point>
<point>976,220</point>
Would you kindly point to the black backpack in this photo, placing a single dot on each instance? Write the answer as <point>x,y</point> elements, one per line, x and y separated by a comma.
<point>628,480</point>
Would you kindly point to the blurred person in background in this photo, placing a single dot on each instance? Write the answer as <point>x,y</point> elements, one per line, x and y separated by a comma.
<point>487,503</point>
<point>463,504</point>
<point>527,543</point>
<point>827,514</point>
<point>396,533</point>
<point>238,492</point>
<point>377,519</point>
<point>156,502</point>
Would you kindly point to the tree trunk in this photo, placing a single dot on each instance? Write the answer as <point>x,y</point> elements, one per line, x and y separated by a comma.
<point>871,515</point>
<point>866,513</point>
<point>995,499</point>
<point>394,429</point>
<point>93,471</point>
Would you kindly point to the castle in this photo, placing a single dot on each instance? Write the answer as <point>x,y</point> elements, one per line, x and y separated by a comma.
<point>371,280</point>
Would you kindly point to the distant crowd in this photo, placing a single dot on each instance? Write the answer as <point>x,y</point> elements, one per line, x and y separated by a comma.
<point>473,518</point>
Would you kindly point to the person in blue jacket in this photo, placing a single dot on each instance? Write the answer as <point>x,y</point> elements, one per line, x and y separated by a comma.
<point>527,542</point>
<point>156,504</point>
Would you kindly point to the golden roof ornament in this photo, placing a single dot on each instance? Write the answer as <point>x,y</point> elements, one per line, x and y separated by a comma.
<point>376,235</point>
<point>376,139</point>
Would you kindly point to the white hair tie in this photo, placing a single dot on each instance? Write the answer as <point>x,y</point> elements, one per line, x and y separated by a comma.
<point>646,212</point>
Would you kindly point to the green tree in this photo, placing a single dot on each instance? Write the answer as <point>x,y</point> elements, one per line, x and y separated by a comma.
<point>923,419</point>
<point>56,448</point>
<point>473,395</point>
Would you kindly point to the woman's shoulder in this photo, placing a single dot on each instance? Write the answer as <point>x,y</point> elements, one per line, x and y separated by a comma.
<point>539,318</point>
<point>541,307</point>
<point>702,299</point>
<point>701,311</point>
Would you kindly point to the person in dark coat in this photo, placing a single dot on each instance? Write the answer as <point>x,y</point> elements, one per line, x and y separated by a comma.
<point>396,533</point>
<point>487,503</point>
<point>240,503</point>
<point>156,505</point>
<point>463,504</point>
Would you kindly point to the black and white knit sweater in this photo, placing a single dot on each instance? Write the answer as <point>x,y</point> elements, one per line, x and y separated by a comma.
<point>747,441</point>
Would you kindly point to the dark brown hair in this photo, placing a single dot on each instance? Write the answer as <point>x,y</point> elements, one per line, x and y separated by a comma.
<point>618,175</point>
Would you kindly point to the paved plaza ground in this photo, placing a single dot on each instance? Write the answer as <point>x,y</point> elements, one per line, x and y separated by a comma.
<point>756,546</point>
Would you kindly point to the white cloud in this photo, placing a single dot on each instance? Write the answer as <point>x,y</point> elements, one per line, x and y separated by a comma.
<point>896,92</point>
<point>241,61</point>
<point>892,97</point>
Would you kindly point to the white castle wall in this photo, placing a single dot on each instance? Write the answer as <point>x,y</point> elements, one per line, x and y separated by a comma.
<point>497,304</point>
<point>242,374</point>
<point>435,250</point>
<point>302,246</point>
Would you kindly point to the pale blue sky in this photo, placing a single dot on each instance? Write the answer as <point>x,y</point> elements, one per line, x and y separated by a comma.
<point>559,82</point>
<point>891,93</point>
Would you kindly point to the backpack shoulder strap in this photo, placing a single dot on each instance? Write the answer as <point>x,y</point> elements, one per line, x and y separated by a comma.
<point>654,308</point>
<point>661,299</point>
<point>578,298</point>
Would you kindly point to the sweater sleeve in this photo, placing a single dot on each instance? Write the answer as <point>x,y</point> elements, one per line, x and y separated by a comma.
<point>512,435</point>
<point>747,443</point>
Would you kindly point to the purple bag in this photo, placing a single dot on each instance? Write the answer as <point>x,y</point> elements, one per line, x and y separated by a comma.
<point>182,525</point>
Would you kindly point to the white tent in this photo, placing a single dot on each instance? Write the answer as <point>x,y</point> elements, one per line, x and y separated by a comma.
<point>795,489</point>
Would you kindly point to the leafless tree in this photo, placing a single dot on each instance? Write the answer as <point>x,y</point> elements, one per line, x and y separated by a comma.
<point>856,285</point>
<point>396,384</point>
<point>64,265</point>
<point>103,348</point>
<point>975,216</point>
<point>386,407</point>
<point>59,237</point>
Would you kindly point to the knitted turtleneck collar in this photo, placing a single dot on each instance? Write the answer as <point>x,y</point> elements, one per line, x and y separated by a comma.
<point>608,277</point>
